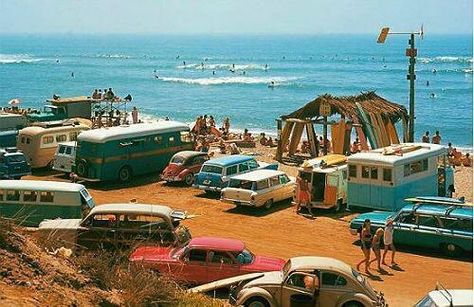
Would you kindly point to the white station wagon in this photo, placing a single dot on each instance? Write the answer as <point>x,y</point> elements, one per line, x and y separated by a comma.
<point>259,188</point>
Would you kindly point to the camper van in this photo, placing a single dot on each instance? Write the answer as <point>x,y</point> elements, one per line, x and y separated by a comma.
<point>125,151</point>
<point>382,178</point>
<point>39,142</point>
<point>65,156</point>
<point>30,201</point>
<point>327,178</point>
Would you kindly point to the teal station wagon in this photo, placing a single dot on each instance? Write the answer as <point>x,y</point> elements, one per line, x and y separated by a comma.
<point>430,222</point>
<point>215,174</point>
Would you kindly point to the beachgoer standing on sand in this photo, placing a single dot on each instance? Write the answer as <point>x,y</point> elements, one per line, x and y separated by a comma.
<point>426,137</point>
<point>226,125</point>
<point>436,138</point>
<point>366,244</point>
<point>94,94</point>
<point>134,115</point>
<point>263,139</point>
<point>388,241</point>
<point>450,150</point>
<point>376,245</point>
<point>302,194</point>
<point>212,122</point>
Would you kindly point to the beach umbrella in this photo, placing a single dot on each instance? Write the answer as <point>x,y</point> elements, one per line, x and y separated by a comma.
<point>14,102</point>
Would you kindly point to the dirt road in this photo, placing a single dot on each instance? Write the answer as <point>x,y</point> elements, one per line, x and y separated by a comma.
<point>280,232</point>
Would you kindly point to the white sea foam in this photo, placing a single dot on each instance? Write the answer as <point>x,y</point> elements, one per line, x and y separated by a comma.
<point>446,59</point>
<point>17,59</point>
<point>230,80</point>
<point>223,66</point>
<point>113,56</point>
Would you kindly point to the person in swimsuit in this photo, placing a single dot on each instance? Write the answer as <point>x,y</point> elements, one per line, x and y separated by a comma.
<point>366,244</point>
<point>376,245</point>
<point>388,240</point>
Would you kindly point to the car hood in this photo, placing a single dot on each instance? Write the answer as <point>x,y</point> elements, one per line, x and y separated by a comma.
<point>265,264</point>
<point>151,253</point>
<point>60,224</point>
<point>269,278</point>
<point>376,218</point>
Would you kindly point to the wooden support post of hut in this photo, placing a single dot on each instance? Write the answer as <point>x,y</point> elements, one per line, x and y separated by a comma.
<point>372,117</point>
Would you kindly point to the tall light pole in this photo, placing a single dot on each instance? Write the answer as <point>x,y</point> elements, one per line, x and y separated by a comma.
<point>411,53</point>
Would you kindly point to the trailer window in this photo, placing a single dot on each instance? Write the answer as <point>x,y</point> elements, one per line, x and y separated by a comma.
<point>374,173</point>
<point>424,165</point>
<point>61,138</point>
<point>365,172</point>
<point>47,197</point>
<point>13,195</point>
<point>30,196</point>
<point>353,171</point>
<point>158,139</point>
<point>387,174</point>
<point>48,139</point>
<point>186,137</point>
<point>1,194</point>
<point>171,140</point>
<point>73,136</point>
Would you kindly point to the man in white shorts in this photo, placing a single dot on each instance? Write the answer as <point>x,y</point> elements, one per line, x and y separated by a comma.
<point>388,241</point>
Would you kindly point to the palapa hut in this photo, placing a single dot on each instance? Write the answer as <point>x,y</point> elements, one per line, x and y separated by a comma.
<point>372,116</point>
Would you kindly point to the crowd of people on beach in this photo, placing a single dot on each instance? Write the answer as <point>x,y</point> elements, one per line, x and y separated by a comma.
<point>455,157</point>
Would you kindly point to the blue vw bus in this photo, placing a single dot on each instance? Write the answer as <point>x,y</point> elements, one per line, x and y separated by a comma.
<point>430,222</point>
<point>125,151</point>
<point>215,173</point>
<point>382,178</point>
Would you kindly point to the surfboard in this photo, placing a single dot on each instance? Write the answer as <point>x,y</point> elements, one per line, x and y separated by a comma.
<point>383,131</point>
<point>366,126</point>
<point>376,130</point>
<point>392,132</point>
<point>360,133</point>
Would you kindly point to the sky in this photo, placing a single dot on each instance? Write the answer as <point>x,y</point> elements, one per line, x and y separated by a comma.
<point>236,17</point>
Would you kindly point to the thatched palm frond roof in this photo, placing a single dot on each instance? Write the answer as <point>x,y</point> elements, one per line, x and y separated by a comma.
<point>346,106</point>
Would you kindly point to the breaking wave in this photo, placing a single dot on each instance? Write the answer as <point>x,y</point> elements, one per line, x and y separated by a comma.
<point>230,80</point>
<point>17,59</point>
<point>446,59</point>
<point>223,66</point>
<point>113,56</point>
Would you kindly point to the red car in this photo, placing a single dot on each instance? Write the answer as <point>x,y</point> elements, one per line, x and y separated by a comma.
<point>183,166</point>
<point>204,259</point>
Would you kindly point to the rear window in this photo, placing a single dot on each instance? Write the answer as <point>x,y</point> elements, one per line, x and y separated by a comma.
<point>177,160</point>
<point>211,169</point>
<point>15,158</point>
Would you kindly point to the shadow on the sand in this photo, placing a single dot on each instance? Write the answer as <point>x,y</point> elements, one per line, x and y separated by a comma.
<point>261,211</point>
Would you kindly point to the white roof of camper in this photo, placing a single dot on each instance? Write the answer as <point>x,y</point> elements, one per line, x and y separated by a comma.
<point>376,156</point>
<point>103,135</point>
<point>40,185</point>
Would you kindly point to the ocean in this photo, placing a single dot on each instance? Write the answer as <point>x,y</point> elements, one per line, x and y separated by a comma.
<point>195,78</point>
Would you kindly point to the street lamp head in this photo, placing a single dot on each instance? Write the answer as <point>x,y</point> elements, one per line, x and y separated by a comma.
<point>383,35</point>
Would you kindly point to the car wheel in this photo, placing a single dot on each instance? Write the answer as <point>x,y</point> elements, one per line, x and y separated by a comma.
<point>81,168</point>
<point>353,304</point>
<point>189,179</point>
<point>268,204</point>
<point>451,249</point>
<point>125,174</point>
<point>256,302</point>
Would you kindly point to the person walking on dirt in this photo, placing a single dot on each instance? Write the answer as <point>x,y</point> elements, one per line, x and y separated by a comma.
<point>376,245</point>
<point>388,240</point>
<point>366,244</point>
<point>302,194</point>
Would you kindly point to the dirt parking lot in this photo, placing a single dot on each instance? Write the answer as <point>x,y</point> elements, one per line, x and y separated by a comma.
<point>280,232</point>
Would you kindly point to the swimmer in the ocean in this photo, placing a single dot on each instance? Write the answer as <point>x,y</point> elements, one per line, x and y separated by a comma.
<point>272,84</point>
<point>177,57</point>
<point>433,95</point>
<point>184,64</point>
<point>434,70</point>
<point>427,83</point>
<point>72,74</point>
<point>266,67</point>
<point>213,72</point>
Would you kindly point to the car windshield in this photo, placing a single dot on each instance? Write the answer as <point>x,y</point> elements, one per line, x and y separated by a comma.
<point>15,158</point>
<point>211,169</point>
<point>245,257</point>
<point>177,159</point>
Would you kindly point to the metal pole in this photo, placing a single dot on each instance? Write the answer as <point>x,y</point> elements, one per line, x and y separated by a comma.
<point>412,77</point>
<point>325,135</point>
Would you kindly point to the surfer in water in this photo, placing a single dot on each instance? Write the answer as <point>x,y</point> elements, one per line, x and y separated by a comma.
<point>272,84</point>
<point>213,72</point>
<point>266,67</point>
<point>177,57</point>
<point>184,64</point>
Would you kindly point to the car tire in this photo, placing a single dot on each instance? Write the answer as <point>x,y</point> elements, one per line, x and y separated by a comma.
<point>125,174</point>
<point>353,304</point>
<point>256,302</point>
<point>268,204</point>
<point>189,179</point>
<point>451,249</point>
<point>81,168</point>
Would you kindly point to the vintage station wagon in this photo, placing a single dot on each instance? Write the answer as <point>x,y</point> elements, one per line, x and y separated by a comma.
<point>307,281</point>
<point>431,222</point>
<point>204,259</point>
<point>117,225</point>
<point>259,188</point>
<point>215,173</point>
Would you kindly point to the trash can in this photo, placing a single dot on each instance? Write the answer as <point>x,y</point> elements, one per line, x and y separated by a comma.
<point>301,300</point>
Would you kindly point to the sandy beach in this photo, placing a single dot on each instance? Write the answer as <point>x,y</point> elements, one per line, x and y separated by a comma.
<point>280,232</point>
